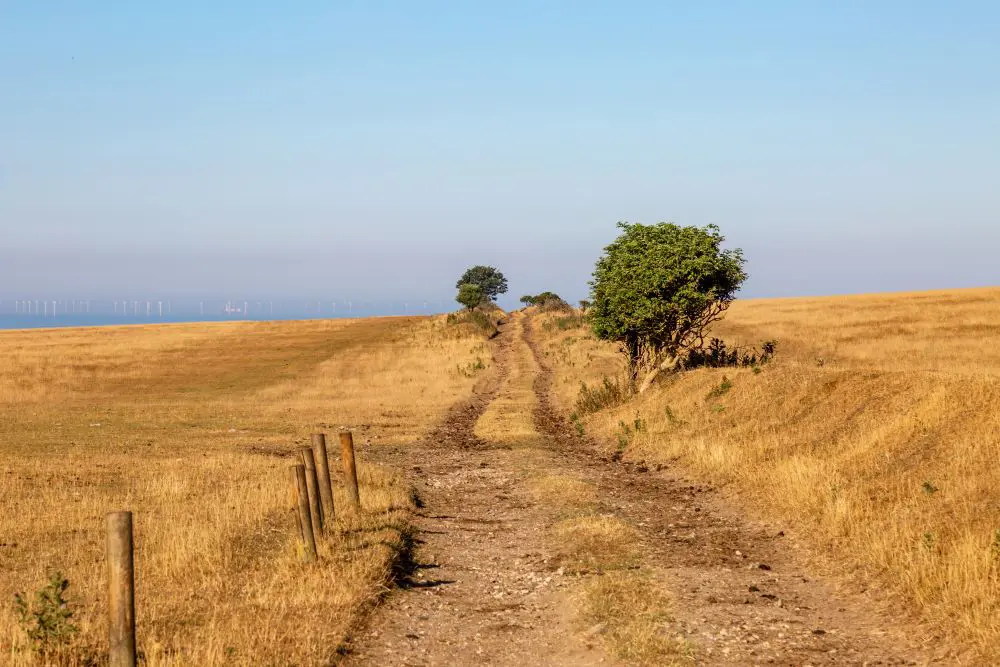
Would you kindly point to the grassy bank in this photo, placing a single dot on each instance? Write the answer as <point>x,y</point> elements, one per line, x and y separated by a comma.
<point>874,433</point>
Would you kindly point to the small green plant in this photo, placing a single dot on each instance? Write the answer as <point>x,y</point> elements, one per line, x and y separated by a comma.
<point>671,417</point>
<point>622,442</point>
<point>47,621</point>
<point>579,429</point>
<point>928,541</point>
<point>718,409</point>
<point>569,322</point>
<point>929,488</point>
<point>605,395</point>
<point>471,368</point>
<point>721,390</point>
<point>639,425</point>
<point>624,436</point>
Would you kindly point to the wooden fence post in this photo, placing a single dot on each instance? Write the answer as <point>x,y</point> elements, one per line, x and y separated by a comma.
<point>305,522</point>
<point>350,469</point>
<point>121,590</point>
<point>312,484</point>
<point>323,474</point>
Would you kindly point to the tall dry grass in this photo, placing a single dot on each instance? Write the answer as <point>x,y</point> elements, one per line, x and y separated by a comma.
<point>192,427</point>
<point>875,433</point>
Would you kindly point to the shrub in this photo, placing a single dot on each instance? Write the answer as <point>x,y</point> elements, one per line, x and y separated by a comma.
<point>605,395</point>
<point>718,355</point>
<point>478,319</point>
<point>569,322</point>
<point>48,620</point>
<point>657,288</point>
<point>721,390</point>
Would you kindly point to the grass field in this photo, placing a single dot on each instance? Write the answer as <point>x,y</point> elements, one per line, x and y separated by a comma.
<point>874,434</point>
<point>192,428</point>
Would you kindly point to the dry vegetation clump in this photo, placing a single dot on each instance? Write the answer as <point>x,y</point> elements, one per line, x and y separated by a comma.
<point>484,320</point>
<point>874,431</point>
<point>594,543</point>
<point>629,610</point>
<point>558,491</point>
<point>193,427</point>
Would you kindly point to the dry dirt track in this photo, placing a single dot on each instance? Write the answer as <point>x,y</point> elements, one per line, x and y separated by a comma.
<point>481,587</point>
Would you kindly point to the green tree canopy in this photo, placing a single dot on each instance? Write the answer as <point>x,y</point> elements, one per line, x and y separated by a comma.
<point>491,281</point>
<point>657,288</point>
<point>470,295</point>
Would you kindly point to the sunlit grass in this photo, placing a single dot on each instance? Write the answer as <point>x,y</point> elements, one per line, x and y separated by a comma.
<point>875,432</point>
<point>192,428</point>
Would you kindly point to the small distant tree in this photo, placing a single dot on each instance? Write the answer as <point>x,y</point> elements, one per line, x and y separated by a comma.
<point>657,288</point>
<point>470,295</point>
<point>527,300</point>
<point>584,305</point>
<point>491,281</point>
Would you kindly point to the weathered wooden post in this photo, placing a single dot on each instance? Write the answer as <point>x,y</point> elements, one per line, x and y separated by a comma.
<point>323,475</point>
<point>305,522</point>
<point>121,591</point>
<point>312,483</point>
<point>350,469</point>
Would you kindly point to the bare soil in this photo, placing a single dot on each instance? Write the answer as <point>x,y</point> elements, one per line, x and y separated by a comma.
<point>479,586</point>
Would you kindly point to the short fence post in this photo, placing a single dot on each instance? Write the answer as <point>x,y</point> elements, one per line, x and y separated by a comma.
<point>312,483</point>
<point>350,469</point>
<point>323,475</point>
<point>121,591</point>
<point>305,522</point>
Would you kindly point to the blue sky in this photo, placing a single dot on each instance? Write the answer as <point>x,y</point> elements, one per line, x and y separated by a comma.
<point>378,148</point>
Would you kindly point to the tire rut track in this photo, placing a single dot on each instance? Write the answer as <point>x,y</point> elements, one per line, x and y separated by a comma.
<point>740,596</point>
<point>479,588</point>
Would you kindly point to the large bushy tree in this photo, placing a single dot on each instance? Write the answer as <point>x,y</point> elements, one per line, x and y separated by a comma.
<point>657,288</point>
<point>491,281</point>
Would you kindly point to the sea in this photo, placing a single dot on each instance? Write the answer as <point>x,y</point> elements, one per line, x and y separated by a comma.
<point>98,317</point>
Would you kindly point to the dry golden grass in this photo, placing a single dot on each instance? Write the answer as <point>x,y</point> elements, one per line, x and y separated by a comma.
<point>875,432</point>
<point>629,609</point>
<point>509,419</point>
<point>191,426</point>
<point>594,543</point>
<point>556,491</point>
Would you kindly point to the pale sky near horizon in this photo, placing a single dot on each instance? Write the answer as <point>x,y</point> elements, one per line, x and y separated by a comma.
<point>376,149</point>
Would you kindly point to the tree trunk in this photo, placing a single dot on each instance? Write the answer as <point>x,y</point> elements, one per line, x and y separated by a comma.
<point>668,364</point>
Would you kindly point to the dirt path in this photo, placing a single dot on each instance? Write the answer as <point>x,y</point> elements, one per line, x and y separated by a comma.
<point>484,586</point>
